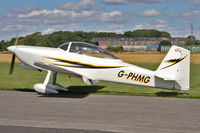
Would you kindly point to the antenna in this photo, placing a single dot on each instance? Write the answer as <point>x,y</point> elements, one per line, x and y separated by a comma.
<point>191,37</point>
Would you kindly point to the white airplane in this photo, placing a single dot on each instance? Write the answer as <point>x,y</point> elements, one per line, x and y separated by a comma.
<point>92,63</point>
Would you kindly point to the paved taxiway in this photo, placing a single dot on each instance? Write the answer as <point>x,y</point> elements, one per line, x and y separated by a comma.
<point>74,113</point>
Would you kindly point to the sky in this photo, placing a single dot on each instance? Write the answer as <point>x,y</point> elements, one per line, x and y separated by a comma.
<point>48,16</point>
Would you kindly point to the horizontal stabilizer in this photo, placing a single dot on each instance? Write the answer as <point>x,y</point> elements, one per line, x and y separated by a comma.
<point>164,77</point>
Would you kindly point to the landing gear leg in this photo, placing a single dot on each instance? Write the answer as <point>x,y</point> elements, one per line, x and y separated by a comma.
<point>49,87</point>
<point>54,78</point>
<point>46,81</point>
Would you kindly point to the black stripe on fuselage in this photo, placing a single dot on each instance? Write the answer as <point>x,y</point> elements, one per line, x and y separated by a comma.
<point>82,65</point>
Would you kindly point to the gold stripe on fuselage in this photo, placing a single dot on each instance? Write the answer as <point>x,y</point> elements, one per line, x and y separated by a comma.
<point>60,64</point>
<point>80,63</point>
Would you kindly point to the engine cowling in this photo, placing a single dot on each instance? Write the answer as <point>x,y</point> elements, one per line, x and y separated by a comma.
<point>49,88</point>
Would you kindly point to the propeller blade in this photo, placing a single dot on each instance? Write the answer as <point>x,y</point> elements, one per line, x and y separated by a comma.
<point>16,41</point>
<point>12,64</point>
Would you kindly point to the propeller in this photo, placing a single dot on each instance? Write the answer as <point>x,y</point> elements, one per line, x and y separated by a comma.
<point>13,56</point>
<point>12,64</point>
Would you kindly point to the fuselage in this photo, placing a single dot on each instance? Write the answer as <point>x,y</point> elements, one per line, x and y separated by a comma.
<point>95,68</point>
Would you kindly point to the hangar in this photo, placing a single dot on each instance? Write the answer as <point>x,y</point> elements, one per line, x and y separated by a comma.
<point>137,43</point>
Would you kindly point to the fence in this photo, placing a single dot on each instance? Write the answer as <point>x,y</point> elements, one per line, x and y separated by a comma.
<point>142,48</point>
<point>192,48</point>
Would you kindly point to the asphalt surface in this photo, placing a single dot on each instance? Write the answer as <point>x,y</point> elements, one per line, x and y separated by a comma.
<point>20,129</point>
<point>22,112</point>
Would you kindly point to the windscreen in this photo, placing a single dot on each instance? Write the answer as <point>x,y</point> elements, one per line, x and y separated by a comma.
<point>90,50</point>
<point>64,46</point>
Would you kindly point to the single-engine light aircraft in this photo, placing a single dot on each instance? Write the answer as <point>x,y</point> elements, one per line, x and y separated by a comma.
<point>92,64</point>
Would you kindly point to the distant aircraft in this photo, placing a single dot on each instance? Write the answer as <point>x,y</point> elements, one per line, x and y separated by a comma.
<point>92,63</point>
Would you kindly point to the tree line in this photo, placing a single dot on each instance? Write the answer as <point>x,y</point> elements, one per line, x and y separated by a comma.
<point>57,38</point>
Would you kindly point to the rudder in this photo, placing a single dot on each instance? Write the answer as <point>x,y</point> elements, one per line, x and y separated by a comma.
<point>176,67</point>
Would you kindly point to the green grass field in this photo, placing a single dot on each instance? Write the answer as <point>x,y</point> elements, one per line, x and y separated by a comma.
<point>24,79</point>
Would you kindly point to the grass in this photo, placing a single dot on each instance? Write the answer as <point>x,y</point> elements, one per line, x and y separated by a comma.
<point>24,79</point>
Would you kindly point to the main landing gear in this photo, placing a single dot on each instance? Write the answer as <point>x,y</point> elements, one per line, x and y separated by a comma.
<point>49,87</point>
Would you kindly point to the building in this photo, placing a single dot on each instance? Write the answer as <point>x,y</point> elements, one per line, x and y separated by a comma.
<point>135,44</point>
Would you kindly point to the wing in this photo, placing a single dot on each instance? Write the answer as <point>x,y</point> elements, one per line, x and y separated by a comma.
<point>56,68</point>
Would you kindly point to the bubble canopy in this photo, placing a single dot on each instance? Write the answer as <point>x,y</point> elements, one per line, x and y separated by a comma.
<point>86,49</point>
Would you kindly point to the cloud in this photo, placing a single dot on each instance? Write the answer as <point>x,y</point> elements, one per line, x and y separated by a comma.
<point>159,25</point>
<point>184,0</point>
<point>114,16</point>
<point>24,10</point>
<point>57,16</point>
<point>196,2</point>
<point>188,22</point>
<point>80,16</point>
<point>118,28</point>
<point>150,13</point>
<point>92,15</point>
<point>40,12</point>
<point>174,15</point>
<point>165,25</point>
<point>195,14</point>
<point>48,31</point>
<point>31,19</point>
<point>8,31</point>
<point>69,27</point>
<point>132,1</point>
<point>14,28</point>
<point>190,16</point>
<point>82,5</point>
<point>137,27</point>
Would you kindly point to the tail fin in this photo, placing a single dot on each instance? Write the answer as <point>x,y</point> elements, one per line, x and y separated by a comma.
<point>176,67</point>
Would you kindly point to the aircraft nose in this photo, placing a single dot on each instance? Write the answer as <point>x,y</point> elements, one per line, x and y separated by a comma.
<point>12,48</point>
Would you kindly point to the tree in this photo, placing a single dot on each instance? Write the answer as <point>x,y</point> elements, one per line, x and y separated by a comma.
<point>165,42</point>
<point>4,45</point>
<point>57,38</point>
<point>190,40</point>
<point>165,34</point>
<point>1,45</point>
<point>128,34</point>
<point>20,42</point>
<point>197,42</point>
<point>147,33</point>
